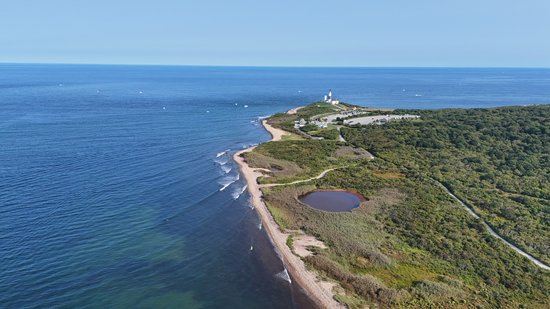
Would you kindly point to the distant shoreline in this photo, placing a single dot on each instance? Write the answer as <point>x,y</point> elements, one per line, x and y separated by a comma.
<point>320,292</point>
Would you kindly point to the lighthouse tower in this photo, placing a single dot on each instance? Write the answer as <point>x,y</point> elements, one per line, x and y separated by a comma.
<point>329,99</point>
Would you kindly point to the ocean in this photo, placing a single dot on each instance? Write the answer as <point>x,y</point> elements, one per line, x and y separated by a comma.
<point>117,188</point>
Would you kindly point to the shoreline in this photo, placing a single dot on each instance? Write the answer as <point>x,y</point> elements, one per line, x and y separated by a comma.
<point>319,291</point>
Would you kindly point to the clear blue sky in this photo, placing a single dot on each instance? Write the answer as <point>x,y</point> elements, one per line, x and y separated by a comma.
<point>484,33</point>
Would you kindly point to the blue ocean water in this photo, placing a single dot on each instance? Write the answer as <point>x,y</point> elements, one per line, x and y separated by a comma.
<point>111,177</point>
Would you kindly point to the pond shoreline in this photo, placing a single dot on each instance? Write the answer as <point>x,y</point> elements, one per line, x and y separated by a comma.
<point>332,200</point>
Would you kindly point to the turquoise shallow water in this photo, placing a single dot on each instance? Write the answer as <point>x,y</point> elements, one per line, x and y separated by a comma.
<point>111,176</point>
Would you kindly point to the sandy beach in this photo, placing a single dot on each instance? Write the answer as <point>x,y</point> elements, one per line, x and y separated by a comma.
<point>294,110</point>
<point>319,291</point>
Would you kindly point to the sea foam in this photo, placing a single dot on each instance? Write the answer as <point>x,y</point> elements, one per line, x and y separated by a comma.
<point>226,169</point>
<point>284,276</point>
<point>219,154</point>
<point>227,181</point>
<point>238,192</point>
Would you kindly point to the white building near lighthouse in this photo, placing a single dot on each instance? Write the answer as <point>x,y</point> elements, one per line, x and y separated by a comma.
<point>330,99</point>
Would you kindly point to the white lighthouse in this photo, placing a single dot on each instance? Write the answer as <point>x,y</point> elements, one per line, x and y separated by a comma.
<point>329,99</point>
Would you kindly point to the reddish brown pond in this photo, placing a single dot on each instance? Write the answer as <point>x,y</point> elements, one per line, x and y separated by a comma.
<point>333,201</point>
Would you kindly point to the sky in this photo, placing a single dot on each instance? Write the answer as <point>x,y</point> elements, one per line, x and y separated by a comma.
<point>395,33</point>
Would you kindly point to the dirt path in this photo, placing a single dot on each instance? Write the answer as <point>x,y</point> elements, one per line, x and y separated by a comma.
<point>340,137</point>
<point>299,181</point>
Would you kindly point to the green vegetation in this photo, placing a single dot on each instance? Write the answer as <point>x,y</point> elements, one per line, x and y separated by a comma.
<point>290,242</point>
<point>496,160</point>
<point>328,133</point>
<point>411,245</point>
<point>286,121</point>
<point>316,109</point>
<point>291,160</point>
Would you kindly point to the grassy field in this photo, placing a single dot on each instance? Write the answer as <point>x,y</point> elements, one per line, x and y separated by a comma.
<point>286,121</point>
<point>410,245</point>
<point>290,160</point>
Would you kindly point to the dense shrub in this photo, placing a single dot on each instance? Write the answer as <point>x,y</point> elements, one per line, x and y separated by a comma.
<point>497,160</point>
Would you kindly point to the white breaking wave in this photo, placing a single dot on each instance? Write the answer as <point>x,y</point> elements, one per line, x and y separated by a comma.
<point>238,192</point>
<point>221,160</point>
<point>284,276</point>
<point>244,146</point>
<point>260,226</point>
<point>226,169</point>
<point>227,181</point>
<point>258,120</point>
<point>219,154</point>
<point>223,188</point>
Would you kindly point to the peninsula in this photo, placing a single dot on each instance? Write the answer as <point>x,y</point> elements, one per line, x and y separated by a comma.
<point>453,206</point>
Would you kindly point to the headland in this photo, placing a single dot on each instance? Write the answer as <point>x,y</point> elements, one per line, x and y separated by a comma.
<point>413,241</point>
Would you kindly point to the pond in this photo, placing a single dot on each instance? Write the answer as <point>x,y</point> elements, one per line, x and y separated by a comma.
<point>333,201</point>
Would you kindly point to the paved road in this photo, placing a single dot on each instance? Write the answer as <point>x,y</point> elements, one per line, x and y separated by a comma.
<point>494,234</point>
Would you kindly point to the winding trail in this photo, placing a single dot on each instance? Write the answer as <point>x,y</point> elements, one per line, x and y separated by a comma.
<point>340,137</point>
<point>492,232</point>
<point>323,173</point>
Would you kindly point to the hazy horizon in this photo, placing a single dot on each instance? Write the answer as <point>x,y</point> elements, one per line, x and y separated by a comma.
<point>425,33</point>
<point>275,66</point>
